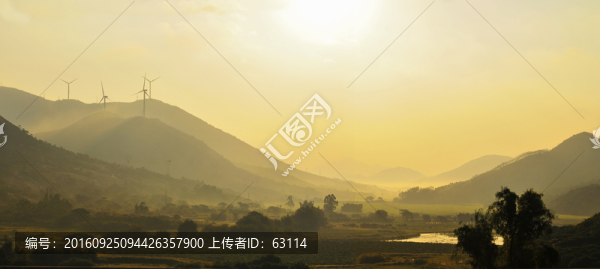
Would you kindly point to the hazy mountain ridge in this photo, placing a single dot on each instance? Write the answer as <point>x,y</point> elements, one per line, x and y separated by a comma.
<point>466,171</point>
<point>582,201</point>
<point>73,174</point>
<point>401,177</point>
<point>45,115</point>
<point>55,115</point>
<point>143,142</point>
<point>535,170</point>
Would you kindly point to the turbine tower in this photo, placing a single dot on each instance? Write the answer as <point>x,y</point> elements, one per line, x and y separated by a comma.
<point>144,93</point>
<point>104,97</point>
<point>150,85</point>
<point>68,87</point>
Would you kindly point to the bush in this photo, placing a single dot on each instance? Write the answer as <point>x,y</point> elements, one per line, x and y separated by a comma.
<point>371,258</point>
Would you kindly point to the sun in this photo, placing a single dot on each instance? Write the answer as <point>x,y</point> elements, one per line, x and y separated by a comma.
<point>328,21</point>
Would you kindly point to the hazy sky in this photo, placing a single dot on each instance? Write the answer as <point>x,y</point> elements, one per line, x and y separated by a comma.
<point>450,89</point>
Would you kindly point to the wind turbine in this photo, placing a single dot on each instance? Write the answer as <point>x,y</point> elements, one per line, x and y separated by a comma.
<point>68,87</point>
<point>144,93</point>
<point>150,83</point>
<point>104,97</point>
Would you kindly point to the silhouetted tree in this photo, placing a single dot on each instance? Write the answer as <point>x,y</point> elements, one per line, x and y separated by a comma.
<point>187,225</point>
<point>142,208</point>
<point>329,204</point>
<point>406,215</point>
<point>307,203</point>
<point>290,202</point>
<point>426,217</point>
<point>521,221</point>
<point>309,218</point>
<point>477,241</point>
<point>369,198</point>
<point>254,222</point>
<point>379,215</point>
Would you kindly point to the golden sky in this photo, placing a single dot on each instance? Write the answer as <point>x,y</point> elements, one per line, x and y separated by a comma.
<point>449,90</point>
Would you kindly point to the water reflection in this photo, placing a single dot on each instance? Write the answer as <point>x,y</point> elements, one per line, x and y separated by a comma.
<point>440,238</point>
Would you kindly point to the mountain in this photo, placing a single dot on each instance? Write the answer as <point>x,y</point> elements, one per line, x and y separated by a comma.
<point>45,115</point>
<point>465,171</point>
<point>78,175</point>
<point>396,176</point>
<point>578,245</point>
<point>583,201</point>
<point>539,170</point>
<point>143,142</point>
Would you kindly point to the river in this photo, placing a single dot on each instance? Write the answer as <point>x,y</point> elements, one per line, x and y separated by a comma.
<point>440,238</point>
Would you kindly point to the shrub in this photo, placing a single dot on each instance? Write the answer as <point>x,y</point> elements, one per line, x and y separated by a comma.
<point>371,258</point>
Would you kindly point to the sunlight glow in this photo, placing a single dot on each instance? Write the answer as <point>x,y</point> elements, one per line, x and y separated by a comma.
<point>330,21</point>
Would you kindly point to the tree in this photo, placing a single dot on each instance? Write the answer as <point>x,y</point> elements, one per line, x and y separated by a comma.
<point>370,198</point>
<point>307,203</point>
<point>379,215</point>
<point>290,202</point>
<point>478,242</point>
<point>521,221</point>
<point>255,222</point>
<point>426,217</point>
<point>142,208</point>
<point>330,204</point>
<point>187,225</point>
<point>406,215</point>
<point>309,218</point>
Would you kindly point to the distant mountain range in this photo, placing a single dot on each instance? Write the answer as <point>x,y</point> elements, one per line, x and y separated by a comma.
<point>465,171</point>
<point>77,175</point>
<point>149,143</point>
<point>539,170</point>
<point>142,142</point>
<point>45,115</point>
<point>405,177</point>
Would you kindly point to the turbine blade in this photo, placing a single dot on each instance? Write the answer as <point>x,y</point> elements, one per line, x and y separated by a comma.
<point>101,100</point>
<point>154,79</point>
<point>102,87</point>
<point>72,81</point>
<point>64,81</point>
<point>136,93</point>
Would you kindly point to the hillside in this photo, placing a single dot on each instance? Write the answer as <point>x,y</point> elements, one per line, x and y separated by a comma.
<point>578,245</point>
<point>583,201</point>
<point>396,175</point>
<point>143,142</point>
<point>465,171</point>
<point>45,115</point>
<point>535,170</point>
<point>78,175</point>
